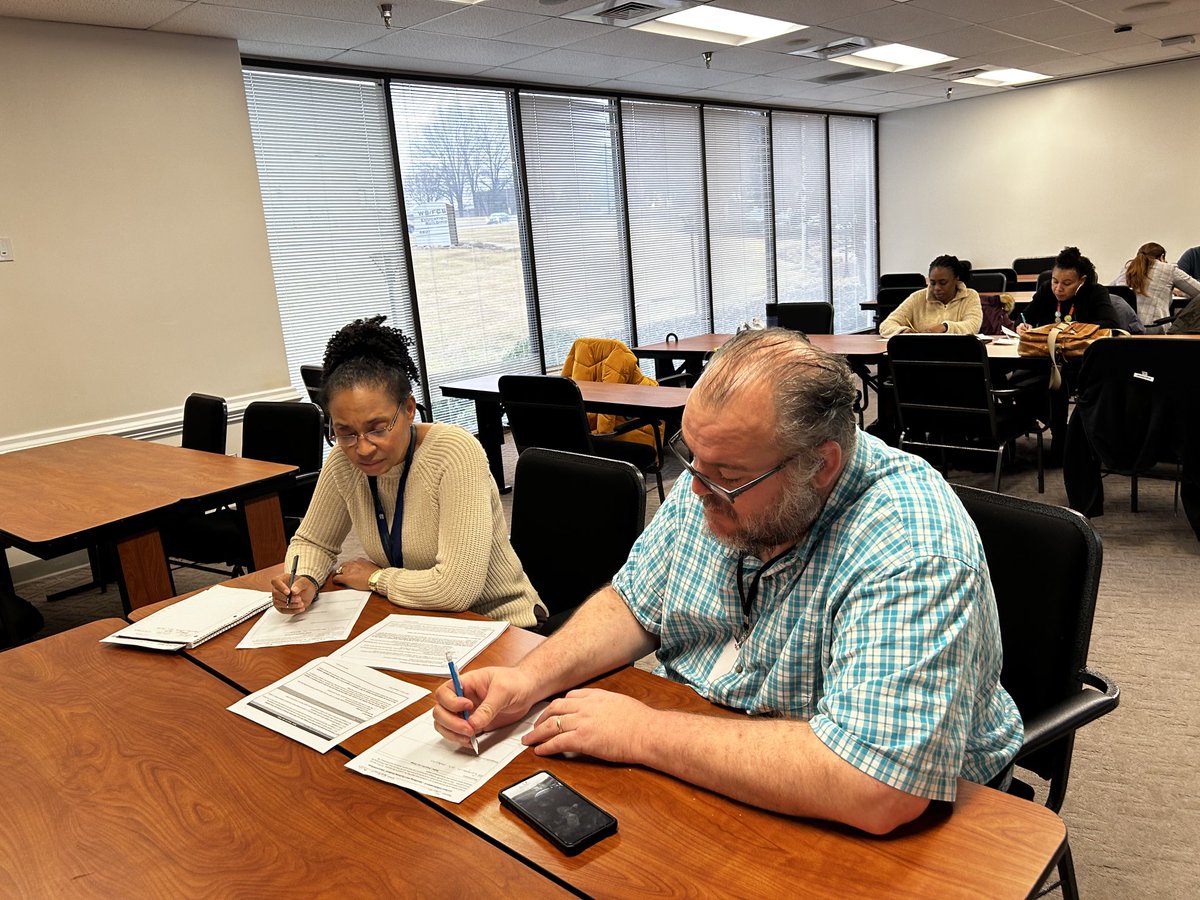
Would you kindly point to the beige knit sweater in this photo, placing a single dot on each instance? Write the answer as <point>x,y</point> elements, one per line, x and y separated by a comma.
<point>962,315</point>
<point>455,537</point>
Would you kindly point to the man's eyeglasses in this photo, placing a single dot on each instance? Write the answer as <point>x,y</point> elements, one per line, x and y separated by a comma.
<point>684,454</point>
<point>374,437</point>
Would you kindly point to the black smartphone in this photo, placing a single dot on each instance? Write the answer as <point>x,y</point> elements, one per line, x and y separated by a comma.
<point>564,816</point>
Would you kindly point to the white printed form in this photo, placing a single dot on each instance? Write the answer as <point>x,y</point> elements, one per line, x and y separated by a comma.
<point>419,644</point>
<point>324,702</point>
<point>416,757</point>
<point>329,619</point>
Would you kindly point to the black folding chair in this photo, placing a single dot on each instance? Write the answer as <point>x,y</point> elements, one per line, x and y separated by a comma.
<point>809,318</point>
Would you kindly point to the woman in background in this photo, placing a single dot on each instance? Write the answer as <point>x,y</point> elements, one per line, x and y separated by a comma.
<point>1073,294</point>
<point>946,306</point>
<point>419,497</point>
<point>1152,278</point>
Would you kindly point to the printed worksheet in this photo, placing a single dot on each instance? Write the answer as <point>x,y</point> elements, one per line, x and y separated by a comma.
<point>420,643</point>
<point>330,618</point>
<point>418,758</point>
<point>324,702</point>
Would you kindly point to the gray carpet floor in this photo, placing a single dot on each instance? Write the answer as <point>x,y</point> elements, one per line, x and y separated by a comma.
<point>1133,806</point>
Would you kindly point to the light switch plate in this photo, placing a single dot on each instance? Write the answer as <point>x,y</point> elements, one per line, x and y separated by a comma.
<point>5,249</point>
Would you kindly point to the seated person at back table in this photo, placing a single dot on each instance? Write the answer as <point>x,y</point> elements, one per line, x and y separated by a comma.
<point>452,553</point>
<point>1154,280</point>
<point>946,306</point>
<point>1073,294</point>
<point>805,573</point>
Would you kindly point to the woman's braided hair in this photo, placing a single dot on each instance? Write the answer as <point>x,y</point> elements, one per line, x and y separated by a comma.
<point>368,353</point>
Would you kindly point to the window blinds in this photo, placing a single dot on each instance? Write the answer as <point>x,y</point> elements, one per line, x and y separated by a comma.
<point>801,207</point>
<point>854,244</point>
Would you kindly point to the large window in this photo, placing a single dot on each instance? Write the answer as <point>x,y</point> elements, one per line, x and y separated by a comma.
<point>664,177</point>
<point>464,218</point>
<point>333,218</point>
<point>577,220</point>
<point>854,246</point>
<point>801,207</point>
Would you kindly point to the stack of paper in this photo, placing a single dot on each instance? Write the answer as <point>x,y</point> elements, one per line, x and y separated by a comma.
<point>194,620</point>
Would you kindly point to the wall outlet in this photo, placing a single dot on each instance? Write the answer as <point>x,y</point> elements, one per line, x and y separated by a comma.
<point>6,249</point>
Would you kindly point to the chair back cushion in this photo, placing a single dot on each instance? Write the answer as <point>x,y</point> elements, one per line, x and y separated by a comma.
<point>291,433</point>
<point>313,378</point>
<point>545,411</point>
<point>942,386</point>
<point>205,423</point>
<point>1031,265</point>
<point>574,519</point>
<point>612,362</point>
<point>810,318</point>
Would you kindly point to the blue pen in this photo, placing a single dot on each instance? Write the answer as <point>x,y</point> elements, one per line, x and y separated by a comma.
<point>458,690</point>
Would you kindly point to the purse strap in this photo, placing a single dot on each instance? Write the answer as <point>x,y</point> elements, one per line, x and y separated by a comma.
<point>1052,350</point>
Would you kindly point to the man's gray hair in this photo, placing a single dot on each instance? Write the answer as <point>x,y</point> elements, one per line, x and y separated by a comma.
<point>814,391</point>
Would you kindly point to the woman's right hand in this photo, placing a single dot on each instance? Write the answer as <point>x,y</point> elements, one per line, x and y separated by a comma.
<point>300,598</point>
<point>1022,328</point>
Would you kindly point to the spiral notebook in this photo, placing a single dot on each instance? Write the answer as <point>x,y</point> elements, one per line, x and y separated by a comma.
<point>193,621</point>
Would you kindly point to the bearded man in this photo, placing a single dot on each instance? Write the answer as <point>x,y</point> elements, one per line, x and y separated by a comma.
<point>831,587</point>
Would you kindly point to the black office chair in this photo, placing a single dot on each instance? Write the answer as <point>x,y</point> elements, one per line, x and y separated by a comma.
<point>608,502</point>
<point>313,377</point>
<point>1125,292</point>
<point>888,299</point>
<point>988,282</point>
<point>942,385</point>
<point>1031,265</point>
<point>205,423</point>
<point>914,281</point>
<point>809,318</point>
<point>547,411</point>
<point>1136,407</point>
<point>1010,277</point>
<point>1045,628</point>
<point>282,432</point>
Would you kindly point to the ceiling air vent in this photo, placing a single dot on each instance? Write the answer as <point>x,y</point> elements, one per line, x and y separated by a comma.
<point>843,77</point>
<point>961,73</point>
<point>841,47</point>
<point>630,12</point>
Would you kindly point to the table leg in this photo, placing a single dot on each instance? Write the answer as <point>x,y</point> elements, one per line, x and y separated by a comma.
<point>142,572</point>
<point>264,524</point>
<point>490,426</point>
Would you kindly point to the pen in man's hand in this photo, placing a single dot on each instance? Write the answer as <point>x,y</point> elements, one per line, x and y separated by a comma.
<point>458,690</point>
<point>292,579</point>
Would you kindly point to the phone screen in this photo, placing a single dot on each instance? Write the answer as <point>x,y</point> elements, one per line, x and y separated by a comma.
<point>562,814</point>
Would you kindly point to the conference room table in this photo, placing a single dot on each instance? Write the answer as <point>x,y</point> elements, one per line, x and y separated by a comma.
<point>125,776</point>
<point>680,840</point>
<point>632,400</point>
<point>101,490</point>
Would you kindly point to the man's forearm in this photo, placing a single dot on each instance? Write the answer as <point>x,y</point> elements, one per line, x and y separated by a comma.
<point>601,636</point>
<point>773,764</point>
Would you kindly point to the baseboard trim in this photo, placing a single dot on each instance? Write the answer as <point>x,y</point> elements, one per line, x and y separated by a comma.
<point>148,426</point>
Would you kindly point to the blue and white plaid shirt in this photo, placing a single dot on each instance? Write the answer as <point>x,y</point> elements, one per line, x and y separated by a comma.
<point>879,628</point>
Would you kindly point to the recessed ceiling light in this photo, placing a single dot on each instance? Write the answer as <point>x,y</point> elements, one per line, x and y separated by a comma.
<point>894,58</point>
<point>1002,78</point>
<point>719,26</point>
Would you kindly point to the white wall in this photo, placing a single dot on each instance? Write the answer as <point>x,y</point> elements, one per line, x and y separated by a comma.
<point>1106,163</point>
<point>128,187</point>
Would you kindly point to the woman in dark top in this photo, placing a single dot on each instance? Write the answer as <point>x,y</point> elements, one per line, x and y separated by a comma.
<point>1073,294</point>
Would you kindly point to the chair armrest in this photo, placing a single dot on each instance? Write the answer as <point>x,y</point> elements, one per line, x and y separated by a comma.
<point>1165,320</point>
<point>683,377</point>
<point>306,478</point>
<point>1099,697</point>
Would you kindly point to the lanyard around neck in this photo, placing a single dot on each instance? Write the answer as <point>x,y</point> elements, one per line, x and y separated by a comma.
<point>749,597</point>
<point>393,543</point>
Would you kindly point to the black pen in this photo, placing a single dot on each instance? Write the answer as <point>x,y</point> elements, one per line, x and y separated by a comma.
<point>292,579</point>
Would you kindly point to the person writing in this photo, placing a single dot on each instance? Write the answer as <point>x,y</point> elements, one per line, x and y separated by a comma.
<point>831,587</point>
<point>419,497</point>
<point>1073,294</point>
<point>1153,279</point>
<point>946,306</point>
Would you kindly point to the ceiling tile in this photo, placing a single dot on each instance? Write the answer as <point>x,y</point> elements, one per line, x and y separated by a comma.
<point>961,91</point>
<point>574,62</point>
<point>1169,26</point>
<point>1049,25</point>
<point>116,14</point>
<point>252,25</point>
<point>556,32</point>
<point>453,49</point>
<point>897,81</point>
<point>392,62</point>
<point>642,45</point>
<point>507,73</point>
<point>540,7</point>
<point>1116,10</point>
<point>1074,65</point>
<point>480,22</point>
<point>807,12</point>
<point>1144,53</point>
<point>686,76</point>
<point>268,50</point>
<point>898,99</point>
<point>970,41</point>
<point>404,14</point>
<point>1095,41</point>
<point>897,22</point>
<point>986,10</point>
<point>746,61</point>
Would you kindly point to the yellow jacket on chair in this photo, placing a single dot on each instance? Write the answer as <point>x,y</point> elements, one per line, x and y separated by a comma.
<point>607,360</point>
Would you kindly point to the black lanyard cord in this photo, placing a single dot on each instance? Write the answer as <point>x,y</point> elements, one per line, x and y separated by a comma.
<point>393,543</point>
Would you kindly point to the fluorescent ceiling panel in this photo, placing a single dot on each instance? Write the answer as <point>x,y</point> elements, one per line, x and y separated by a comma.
<point>719,26</point>
<point>1003,78</point>
<point>893,58</point>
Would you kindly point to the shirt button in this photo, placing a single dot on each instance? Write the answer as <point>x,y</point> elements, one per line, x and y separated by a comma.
<point>738,669</point>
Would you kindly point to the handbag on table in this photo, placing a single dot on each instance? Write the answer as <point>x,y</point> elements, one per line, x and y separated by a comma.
<point>1059,341</point>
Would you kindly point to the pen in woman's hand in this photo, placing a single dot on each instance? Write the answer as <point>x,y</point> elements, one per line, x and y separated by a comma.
<point>292,579</point>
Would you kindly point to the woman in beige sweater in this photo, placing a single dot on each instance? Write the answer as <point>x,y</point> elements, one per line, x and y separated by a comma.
<point>419,497</point>
<point>946,306</point>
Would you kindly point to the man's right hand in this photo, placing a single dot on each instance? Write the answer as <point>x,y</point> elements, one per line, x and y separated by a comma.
<point>494,697</point>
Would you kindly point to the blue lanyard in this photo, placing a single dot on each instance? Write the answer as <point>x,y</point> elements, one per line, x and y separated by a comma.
<point>393,544</point>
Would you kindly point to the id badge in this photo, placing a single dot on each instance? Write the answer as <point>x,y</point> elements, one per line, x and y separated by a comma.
<point>726,661</point>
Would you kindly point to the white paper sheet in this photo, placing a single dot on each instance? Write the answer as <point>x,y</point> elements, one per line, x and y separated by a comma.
<point>419,643</point>
<point>418,758</point>
<point>326,701</point>
<point>193,621</point>
<point>331,618</point>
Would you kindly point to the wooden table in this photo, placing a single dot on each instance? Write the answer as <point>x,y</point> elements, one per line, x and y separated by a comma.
<point>125,776</point>
<point>631,400</point>
<point>676,839</point>
<point>104,489</point>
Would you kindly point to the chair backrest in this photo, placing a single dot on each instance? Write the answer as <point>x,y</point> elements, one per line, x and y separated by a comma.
<point>1043,278</point>
<point>942,385</point>
<point>205,423</point>
<point>1125,292</point>
<point>1010,277</point>
<point>810,318</point>
<point>291,433</point>
<point>1045,615</point>
<point>914,281</point>
<point>545,411</point>
<point>988,282</point>
<point>1028,265</point>
<point>313,377</point>
<point>565,503</point>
